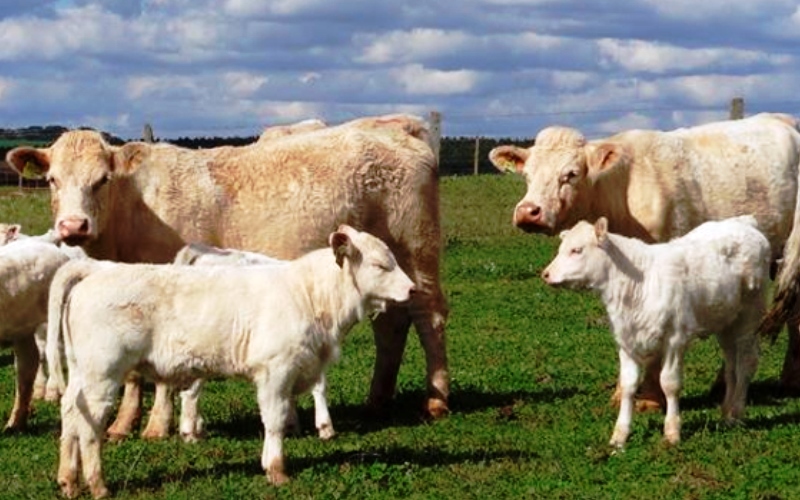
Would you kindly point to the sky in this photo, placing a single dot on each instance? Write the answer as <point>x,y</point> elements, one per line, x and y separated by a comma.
<point>493,68</point>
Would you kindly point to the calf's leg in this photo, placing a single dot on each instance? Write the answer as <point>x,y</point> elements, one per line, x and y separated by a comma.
<point>191,425</point>
<point>672,384</point>
<point>26,362</point>
<point>322,417</point>
<point>40,382</point>
<point>94,402</point>
<point>273,393</point>
<point>69,456</point>
<point>650,397</point>
<point>628,382</point>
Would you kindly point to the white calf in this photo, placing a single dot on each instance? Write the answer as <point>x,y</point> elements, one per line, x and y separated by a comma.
<point>660,297</point>
<point>26,268</point>
<point>279,326</point>
<point>191,424</point>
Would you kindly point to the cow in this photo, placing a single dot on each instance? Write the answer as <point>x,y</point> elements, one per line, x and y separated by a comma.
<point>657,185</point>
<point>279,326</point>
<point>278,131</point>
<point>143,202</point>
<point>26,268</point>
<point>660,297</point>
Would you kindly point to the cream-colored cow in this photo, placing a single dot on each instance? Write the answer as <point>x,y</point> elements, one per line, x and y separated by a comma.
<point>657,186</point>
<point>281,197</point>
<point>279,326</point>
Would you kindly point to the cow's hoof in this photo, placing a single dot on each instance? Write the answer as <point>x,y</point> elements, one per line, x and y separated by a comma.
<point>437,408</point>
<point>69,489</point>
<point>154,435</point>
<point>115,437</point>
<point>326,432</point>
<point>648,405</point>
<point>277,477</point>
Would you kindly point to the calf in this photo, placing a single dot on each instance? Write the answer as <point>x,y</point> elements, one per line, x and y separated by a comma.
<point>191,423</point>
<point>660,297</point>
<point>279,326</point>
<point>26,268</point>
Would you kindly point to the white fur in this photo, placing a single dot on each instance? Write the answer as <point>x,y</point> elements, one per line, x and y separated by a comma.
<point>660,297</point>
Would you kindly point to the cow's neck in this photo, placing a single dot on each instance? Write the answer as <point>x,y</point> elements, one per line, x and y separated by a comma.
<point>134,232</point>
<point>610,198</point>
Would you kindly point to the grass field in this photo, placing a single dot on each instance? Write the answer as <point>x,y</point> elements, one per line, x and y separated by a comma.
<point>532,371</point>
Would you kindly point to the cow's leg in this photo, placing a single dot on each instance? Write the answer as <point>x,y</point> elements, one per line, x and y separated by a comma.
<point>322,417</point>
<point>672,383</point>
<point>390,330</point>
<point>628,381</point>
<point>191,426</point>
<point>790,375</point>
<point>161,415</point>
<point>274,395</point>
<point>26,361</point>
<point>740,346</point>
<point>69,463</point>
<point>40,382</point>
<point>650,397</point>
<point>429,312</point>
<point>129,408</point>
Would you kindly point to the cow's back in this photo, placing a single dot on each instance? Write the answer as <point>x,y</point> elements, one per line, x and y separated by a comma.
<point>689,176</point>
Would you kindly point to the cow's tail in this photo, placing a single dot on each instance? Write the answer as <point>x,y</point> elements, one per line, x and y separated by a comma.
<point>786,300</point>
<point>65,279</point>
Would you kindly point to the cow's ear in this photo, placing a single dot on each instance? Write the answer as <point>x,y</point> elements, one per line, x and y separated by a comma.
<point>604,157</point>
<point>601,229</point>
<point>31,163</point>
<point>509,158</point>
<point>342,246</point>
<point>129,157</point>
<point>563,234</point>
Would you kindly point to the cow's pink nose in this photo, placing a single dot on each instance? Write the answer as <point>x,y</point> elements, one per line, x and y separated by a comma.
<point>528,216</point>
<point>73,226</point>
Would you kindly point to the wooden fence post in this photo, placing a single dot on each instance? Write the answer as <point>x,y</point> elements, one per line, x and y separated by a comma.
<point>737,108</point>
<point>435,122</point>
<point>147,133</point>
<point>476,158</point>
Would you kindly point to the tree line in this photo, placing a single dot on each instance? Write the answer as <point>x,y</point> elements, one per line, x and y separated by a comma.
<point>456,155</point>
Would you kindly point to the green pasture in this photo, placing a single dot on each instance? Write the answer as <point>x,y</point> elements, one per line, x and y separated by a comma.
<point>532,370</point>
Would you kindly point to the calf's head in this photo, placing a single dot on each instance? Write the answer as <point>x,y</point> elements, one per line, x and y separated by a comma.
<point>79,166</point>
<point>560,170</point>
<point>582,261</point>
<point>375,271</point>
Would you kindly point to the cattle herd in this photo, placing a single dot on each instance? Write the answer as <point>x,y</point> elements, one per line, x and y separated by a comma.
<point>177,265</point>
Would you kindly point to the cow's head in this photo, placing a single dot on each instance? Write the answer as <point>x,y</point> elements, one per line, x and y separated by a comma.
<point>80,167</point>
<point>560,170</point>
<point>582,260</point>
<point>375,272</point>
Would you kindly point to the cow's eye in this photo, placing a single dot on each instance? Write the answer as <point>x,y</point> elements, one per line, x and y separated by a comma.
<point>569,176</point>
<point>51,180</point>
<point>576,251</point>
<point>100,183</point>
<point>383,266</point>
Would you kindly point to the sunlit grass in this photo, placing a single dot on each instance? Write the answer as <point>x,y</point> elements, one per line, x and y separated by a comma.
<point>532,372</point>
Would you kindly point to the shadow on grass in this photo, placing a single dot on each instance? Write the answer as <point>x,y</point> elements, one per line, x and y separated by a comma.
<point>398,455</point>
<point>405,410</point>
<point>7,358</point>
<point>761,393</point>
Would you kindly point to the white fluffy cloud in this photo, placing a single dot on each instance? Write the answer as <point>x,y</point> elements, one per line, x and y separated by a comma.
<point>492,67</point>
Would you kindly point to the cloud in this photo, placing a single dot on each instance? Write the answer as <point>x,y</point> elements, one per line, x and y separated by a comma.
<point>416,79</point>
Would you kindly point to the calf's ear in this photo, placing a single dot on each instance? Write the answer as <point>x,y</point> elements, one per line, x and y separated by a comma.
<point>12,231</point>
<point>342,246</point>
<point>129,157</point>
<point>31,163</point>
<point>509,158</point>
